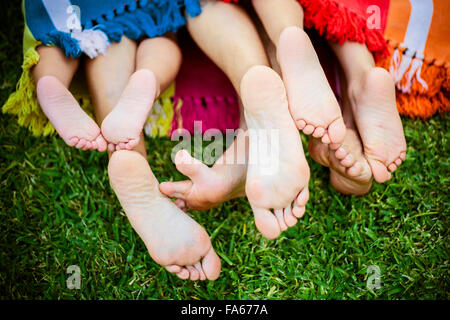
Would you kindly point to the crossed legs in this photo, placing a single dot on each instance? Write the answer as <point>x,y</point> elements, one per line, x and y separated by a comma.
<point>228,36</point>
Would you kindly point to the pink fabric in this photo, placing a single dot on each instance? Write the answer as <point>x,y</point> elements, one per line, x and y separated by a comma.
<point>206,92</point>
<point>208,95</point>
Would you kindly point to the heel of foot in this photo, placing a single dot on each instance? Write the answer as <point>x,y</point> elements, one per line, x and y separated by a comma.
<point>262,88</point>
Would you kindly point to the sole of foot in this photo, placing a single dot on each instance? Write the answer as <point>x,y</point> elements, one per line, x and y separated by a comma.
<point>123,125</point>
<point>312,103</point>
<point>349,170</point>
<point>379,123</point>
<point>73,125</point>
<point>173,239</point>
<point>207,187</point>
<point>278,174</point>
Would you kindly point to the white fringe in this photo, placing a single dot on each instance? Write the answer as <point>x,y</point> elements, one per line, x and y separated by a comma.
<point>91,42</point>
<point>408,67</point>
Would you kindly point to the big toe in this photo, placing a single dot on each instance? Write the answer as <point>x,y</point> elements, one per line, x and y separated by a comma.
<point>211,265</point>
<point>267,223</point>
<point>101,143</point>
<point>188,165</point>
<point>379,170</point>
<point>336,131</point>
<point>178,189</point>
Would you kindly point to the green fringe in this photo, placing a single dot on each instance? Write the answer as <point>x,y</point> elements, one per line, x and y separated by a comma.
<point>159,121</point>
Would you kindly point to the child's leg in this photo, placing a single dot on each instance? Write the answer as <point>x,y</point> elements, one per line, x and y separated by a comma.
<point>209,187</point>
<point>228,37</point>
<point>157,63</point>
<point>372,98</point>
<point>173,239</point>
<point>53,75</point>
<point>311,100</point>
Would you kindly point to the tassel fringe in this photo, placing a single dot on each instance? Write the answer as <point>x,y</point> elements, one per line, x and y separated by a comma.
<point>215,112</point>
<point>136,19</point>
<point>423,87</point>
<point>339,24</point>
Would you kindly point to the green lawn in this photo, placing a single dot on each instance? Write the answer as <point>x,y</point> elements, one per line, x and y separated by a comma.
<point>57,210</point>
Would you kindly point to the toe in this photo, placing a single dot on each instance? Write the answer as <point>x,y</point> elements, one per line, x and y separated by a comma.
<point>183,274</point>
<point>72,141</point>
<point>318,132</point>
<point>398,162</point>
<point>379,171</point>
<point>178,189</point>
<point>198,266</point>
<point>280,217</point>
<point>123,146</point>
<point>81,143</point>
<point>188,165</point>
<point>308,129</point>
<point>132,144</point>
<point>181,204</point>
<point>298,211</point>
<point>289,217</point>
<point>403,155</point>
<point>326,139</point>
<point>340,153</point>
<point>392,167</point>
<point>88,145</point>
<point>194,275</point>
<point>111,147</point>
<point>335,146</point>
<point>173,268</point>
<point>211,265</point>
<point>355,170</point>
<point>348,161</point>
<point>336,130</point>
<point>266,223</point>
<point>101,143</point>
<point>303,197</point>
<point>301,124</point>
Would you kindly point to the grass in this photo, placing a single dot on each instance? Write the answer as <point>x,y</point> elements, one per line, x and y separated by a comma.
<point>57,210</point>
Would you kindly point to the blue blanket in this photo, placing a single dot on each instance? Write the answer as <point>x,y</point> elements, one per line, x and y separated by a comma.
<point>87,26</point>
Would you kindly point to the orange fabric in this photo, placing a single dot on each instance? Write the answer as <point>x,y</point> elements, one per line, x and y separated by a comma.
<point>422,82</point>
<point>438,44</point>
<point>398,18</point>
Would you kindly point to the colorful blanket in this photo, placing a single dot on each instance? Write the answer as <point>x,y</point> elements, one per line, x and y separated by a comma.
<point>419,59</point>
<point>416,54</point>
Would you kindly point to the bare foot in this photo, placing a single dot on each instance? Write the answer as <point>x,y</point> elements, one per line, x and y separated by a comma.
<point>74,126</point>
<point>207,187</point>
<point>172,238</point>
<point>284,180</point>
<point>123,125</point>
<point>378,122</point>
<point>349,170</point>
<point>312,103</point>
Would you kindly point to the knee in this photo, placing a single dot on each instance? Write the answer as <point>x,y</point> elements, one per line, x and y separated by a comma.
<point>165,45</point>
<point>53,62</point>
